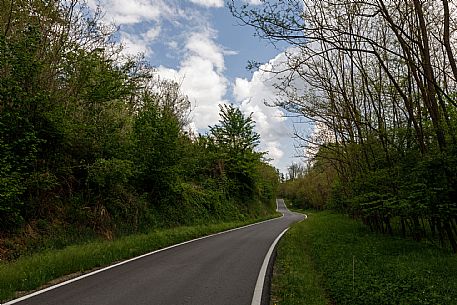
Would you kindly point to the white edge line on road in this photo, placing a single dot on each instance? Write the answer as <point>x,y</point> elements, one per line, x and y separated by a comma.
<point>258,290</point>
<point>257,297</point>
<point>14,301</point>
<point>305,216</point>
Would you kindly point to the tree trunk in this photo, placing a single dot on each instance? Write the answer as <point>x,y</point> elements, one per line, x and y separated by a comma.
<point>446,39</point>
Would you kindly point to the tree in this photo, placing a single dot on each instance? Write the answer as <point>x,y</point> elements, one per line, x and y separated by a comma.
<point>158,133</point>
<point>379,77</point>
<point>296,170</point>
<point>62,104</point>
<point>235,132</point>
<point>235,140</point>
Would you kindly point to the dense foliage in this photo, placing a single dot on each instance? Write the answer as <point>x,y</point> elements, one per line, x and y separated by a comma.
<point>378,81</point>
<point>94,141</point>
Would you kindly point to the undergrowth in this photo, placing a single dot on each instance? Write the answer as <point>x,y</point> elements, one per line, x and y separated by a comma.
<point>355,266</point>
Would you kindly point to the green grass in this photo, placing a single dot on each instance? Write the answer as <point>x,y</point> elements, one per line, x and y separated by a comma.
<point>332,255</point>
<point>30,272</point>
<point>295,279</point>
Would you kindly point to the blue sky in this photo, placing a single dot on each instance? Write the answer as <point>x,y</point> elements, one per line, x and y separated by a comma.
<point>202,46</point>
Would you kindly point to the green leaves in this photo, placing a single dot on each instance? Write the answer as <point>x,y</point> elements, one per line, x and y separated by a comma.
<point>157,149</point>
<point>235,133</point>
<point>108,173</point>
<point>18,152</point>
<point>234,140</point>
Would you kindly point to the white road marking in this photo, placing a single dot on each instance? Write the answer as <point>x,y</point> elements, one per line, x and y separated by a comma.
<point>257,297</point>
<point>258,290</point>
<point>127,261</point>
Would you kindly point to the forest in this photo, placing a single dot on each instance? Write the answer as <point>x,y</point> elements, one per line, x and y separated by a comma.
<point>95,143</point>
<point>377,81</point>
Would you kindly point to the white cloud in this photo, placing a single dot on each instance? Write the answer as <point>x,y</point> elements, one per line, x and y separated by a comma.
<point>173,45</point>
<point>209,3</point>
<point>202,45</point>
<point>139,42</point>
<point>151,34</point>
<point>242,89</point>
<point>201,78</point>
<point>254,2</point>
<point>270,121</point>
<point>220,3</point>
<point>134,44</point>
<point>130,12</point>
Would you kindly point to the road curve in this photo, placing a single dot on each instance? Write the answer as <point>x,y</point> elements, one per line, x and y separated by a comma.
<point>218,270</point>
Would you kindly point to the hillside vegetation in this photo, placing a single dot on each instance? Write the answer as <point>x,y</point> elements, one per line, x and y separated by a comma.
<point>94,144</point>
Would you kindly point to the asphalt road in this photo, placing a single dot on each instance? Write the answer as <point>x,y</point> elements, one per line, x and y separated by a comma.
<point>217,270</point>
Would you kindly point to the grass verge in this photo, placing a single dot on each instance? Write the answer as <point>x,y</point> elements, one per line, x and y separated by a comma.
<point>295,278</point>
<point>30,272</point>
<point>332,255</point>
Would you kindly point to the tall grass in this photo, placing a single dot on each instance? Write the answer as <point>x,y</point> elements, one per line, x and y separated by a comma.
<point>295,278</point>
<point>355,266</point>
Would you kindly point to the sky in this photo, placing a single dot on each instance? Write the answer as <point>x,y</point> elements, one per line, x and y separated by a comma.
<point>199,44</point>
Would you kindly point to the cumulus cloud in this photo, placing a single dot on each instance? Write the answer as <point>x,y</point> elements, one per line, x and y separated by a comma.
<point>254,2</point>
<point>200,62</point>
<point>130,12</point>
<point>139,42</point>
<point>201,78</point>
<point>220,3</point>
<point>209,3</point>
<point>139,21</point>
<point>253,95</point>
<point>202,46</point>
<point>151,34</point>
<point>242,89</point>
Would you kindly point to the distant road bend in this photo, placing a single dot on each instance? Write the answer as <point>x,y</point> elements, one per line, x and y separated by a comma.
<point>222,269</point>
